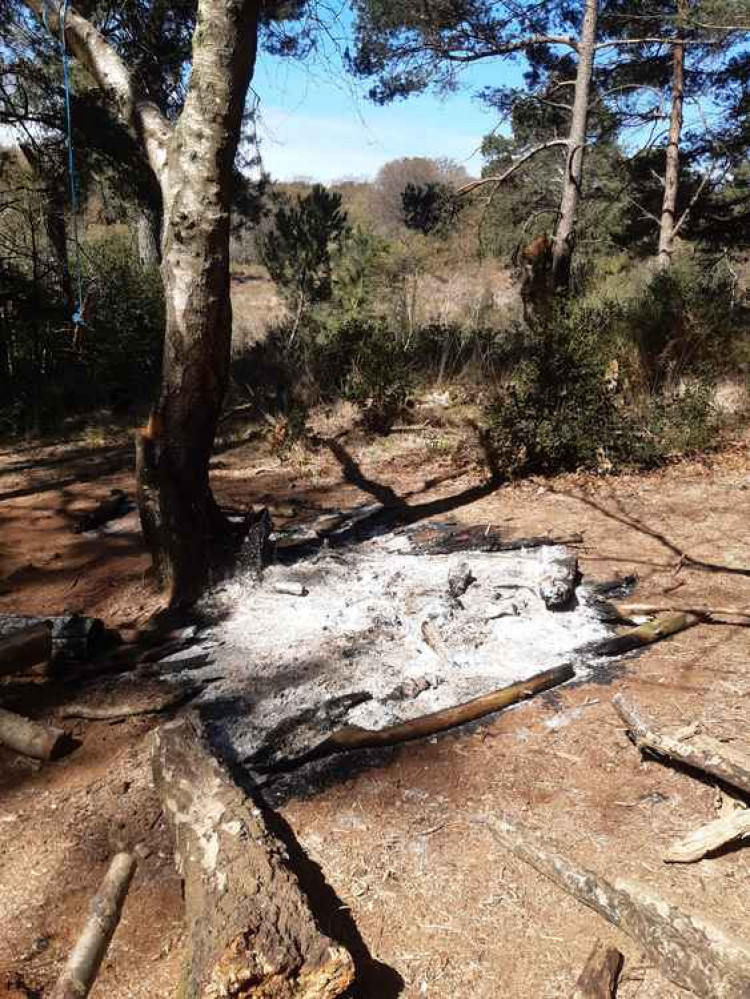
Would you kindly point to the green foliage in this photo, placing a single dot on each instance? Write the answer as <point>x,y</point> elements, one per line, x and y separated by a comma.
<point>563,408</point>
<point>298,248</point>
<point>429,208</point>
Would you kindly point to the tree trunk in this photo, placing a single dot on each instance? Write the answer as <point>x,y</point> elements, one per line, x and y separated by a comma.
<point>250,930</point>
<point>562,251</point>
<point>672,172</point>
<point>147,225</point>
<point>182,524</point>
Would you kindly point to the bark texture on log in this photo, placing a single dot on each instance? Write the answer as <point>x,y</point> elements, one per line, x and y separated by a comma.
<point>690,951</point>
<point>24,648</point>
<point>352,737</point>
<point>712,836</point>
<point>702,751</point>
<point>598,980</point>
<point>29,738</point>
<point>250,929</point>
<point>83,964</point>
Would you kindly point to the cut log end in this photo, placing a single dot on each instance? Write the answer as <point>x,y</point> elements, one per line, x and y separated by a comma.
<point>598,980</point>
<point>40,742</point>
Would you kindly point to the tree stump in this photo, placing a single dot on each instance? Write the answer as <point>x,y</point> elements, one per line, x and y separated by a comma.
<point>250,930</point>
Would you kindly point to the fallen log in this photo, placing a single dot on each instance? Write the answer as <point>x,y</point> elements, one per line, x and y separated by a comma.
<point>643,635</point>
<point>40,742</point>
<point>701,611</point>
<point>710,837</point>
<point>702,752</point>
<point>250,931</point>
<point>74,637</point>
<point>115,505</point>
<point>86,957</point>
<point>483,539</point>
<point>143,706</point>
<point>352,737</point>
<point>598,980</point>
<point>25,648</point>
<point>689,950</point>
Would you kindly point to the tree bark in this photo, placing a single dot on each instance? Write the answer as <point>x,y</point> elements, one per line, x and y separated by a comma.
<point>689,950</point>
<point>182,524</point>
<point>562,250</point>
<point>83,964</point>
<point>702,752</point>
<point>668,220</point>
<point>250,930</point>
<point>598,980</point>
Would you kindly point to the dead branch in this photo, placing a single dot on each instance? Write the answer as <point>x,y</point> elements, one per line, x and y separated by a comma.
<point>598,980</point>
<point>249,928</point>
<point>150,706</point>
<point>689,950</point>
<point>707,613</point>
<point>41,742</point>
<point>83,964</point>
<point>25,648</point>
<point>643,635</point>
<point>702,752</point>
<point>351,737</point>
<point>706,839</point>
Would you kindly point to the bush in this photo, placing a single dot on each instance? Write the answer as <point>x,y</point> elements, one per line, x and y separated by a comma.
<point>564,409</point>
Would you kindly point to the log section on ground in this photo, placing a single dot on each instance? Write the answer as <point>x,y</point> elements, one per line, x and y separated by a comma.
<point>643,635</point>
<point>701,751</point>
<point>352,737</point>
<point>30,738</point>
<point>25,647</point>
<point>598,980</point>
<point>74,637</point>
<point>83,964</point>
<point>706,839</point>
<point>250,930</point>
<point>690,951</point>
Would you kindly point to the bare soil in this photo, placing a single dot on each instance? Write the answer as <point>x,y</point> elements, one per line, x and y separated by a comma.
<point>391,847</point>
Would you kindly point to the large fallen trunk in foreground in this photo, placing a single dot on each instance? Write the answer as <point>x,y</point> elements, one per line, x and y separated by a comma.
<point>250,929</point>
<point>690,951</point>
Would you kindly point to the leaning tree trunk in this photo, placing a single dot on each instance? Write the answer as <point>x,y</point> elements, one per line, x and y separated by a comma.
<point>181,523</point>
<point>562,251</point>
<point>668,220</point>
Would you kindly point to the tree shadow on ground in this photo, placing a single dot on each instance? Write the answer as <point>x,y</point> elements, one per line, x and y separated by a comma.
<point>621,516</point>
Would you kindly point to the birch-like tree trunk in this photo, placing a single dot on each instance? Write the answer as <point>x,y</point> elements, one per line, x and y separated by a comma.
<point>562,250</point>
<point>668,221</point>
<point>192,163</point>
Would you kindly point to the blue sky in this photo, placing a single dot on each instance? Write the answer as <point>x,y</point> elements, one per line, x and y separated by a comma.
<point>318,123</point>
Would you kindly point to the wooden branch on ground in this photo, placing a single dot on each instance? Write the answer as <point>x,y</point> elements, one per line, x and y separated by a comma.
<point>86,957</point>
<point>25,648</point>
<point>706,613</point>
<point>116,712</point>
<point>41,742</point>
<point>483,539</point>
<point>352,737</point>
<point>689,950</point>
<point>702,752</point>
<point>598,980</point>
<point>250,931</point>
<point>706,839</point>
<point>643,635</point>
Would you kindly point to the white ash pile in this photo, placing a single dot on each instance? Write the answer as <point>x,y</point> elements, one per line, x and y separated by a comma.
<point>404,630</point>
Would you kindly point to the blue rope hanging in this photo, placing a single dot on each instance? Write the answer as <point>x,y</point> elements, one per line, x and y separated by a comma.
<point>78,317</point>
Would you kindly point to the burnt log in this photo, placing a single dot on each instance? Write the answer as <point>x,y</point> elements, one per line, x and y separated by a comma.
<point>642,636</point>
<point>558,584</point>
<point>26,647</point>
<point>353,737</point>
<point>689,950</point>
<point>74,636</point>
<point>598,980</point>
<point>249,928</point>
<point>40,742</point>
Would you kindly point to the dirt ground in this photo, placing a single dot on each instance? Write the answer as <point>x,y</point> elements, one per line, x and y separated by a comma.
<point>391,848</point>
